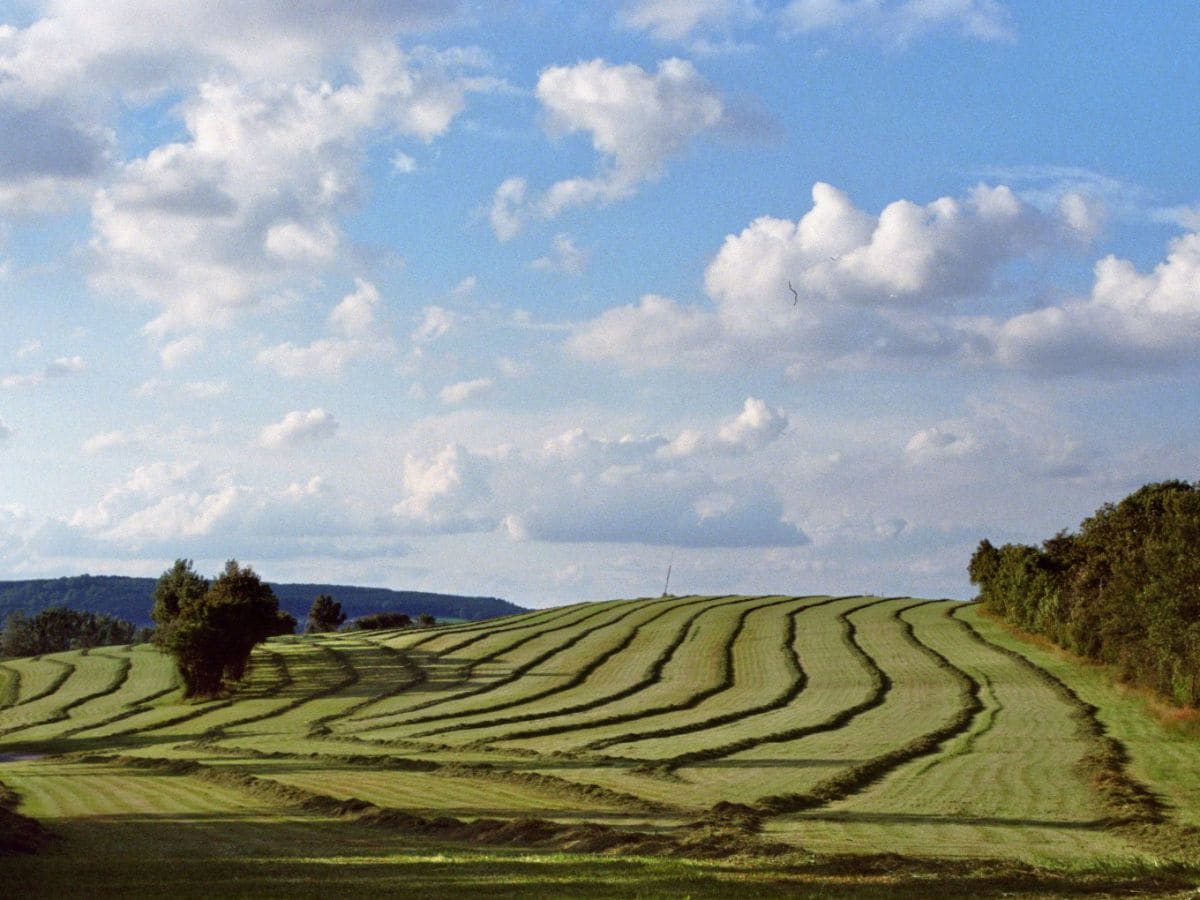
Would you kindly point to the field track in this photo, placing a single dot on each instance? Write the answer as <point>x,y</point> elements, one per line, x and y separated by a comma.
<point>835,724</point>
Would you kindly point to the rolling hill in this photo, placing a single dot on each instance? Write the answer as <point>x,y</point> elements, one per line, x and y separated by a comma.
<point>130,599</point>
<point>732,743</point>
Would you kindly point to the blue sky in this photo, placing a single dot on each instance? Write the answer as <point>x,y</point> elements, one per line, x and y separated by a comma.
<point>494,298</point>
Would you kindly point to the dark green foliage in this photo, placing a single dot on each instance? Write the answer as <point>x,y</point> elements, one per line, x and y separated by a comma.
<point>58,628</point>
<point>425,620</point>
<point>212,633</point>
<point>325,614</point>
<point>380,620</point>
<point>1124,591</point>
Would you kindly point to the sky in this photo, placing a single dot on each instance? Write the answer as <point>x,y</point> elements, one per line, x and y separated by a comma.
<point>534,299</point>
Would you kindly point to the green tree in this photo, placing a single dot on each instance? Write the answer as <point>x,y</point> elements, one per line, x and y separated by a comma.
<point>178,587</point>
<point>425,620</point>
<point>325,614</point>
<point>212,635</point>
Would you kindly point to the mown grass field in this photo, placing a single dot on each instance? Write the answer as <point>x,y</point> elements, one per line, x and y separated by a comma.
<point>702,746</point>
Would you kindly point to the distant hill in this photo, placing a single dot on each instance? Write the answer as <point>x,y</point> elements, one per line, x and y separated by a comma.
<point>130,599</point>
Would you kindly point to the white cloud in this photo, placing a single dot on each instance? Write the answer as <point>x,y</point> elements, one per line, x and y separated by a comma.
<point>445,492</point>
<point>106,440</point>
<point>868,289</point>
<point>354,318</point>
<point>900,22</point>
<point>205,390</point>
<point>1129,319</point>
<point>355,315</point>
<point>508,203</point>
<point>436,321</point>
<point>463,391</point>
<point>637,121</point>
<point>5,431</point>
<point>674,20</point>
<point>58,368</point>
<point>565,257</point>
<point>756,426</point>
<point>656,332</point>
<point>404,164</point>
<point>932,444</point>
<point>175,353</point>
<point>249,202</point>
<point>753,428</point>
<point>299,427</point>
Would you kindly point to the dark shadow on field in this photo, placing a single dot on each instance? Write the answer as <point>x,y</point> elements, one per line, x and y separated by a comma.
<point>905,818</point>
<point>225,855</point>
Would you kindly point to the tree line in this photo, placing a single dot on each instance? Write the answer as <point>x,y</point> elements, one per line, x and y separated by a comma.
<point>1124,590</point>
<point>59,628</point>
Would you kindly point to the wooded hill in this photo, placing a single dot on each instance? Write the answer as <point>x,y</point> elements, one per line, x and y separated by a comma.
<point>130,599</point>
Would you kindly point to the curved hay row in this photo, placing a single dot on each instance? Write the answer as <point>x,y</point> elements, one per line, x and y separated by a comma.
<point>700,682</point>
<point>796,683</point>
<point>83,677</point>
<point>10,687</point>
<point>514,673</point>
<point>584,672</point>
<point>857,777</point>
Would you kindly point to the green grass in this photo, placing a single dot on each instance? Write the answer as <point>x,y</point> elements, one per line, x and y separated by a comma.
<point>680,746</point>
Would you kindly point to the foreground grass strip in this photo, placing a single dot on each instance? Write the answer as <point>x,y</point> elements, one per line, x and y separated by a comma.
<point>860,776</point>
<point>579,677</point>
<point>18,833</point>
<point>701,839</point>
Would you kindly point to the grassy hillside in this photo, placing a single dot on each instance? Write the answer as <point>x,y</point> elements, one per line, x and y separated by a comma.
<point>131,598</point>
<point>698,745</point>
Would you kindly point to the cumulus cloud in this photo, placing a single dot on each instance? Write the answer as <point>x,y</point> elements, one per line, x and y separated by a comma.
<point>900,22</point>
<point>463,391</point>
<point>448,491</point>
<point>249,202</point>
<point>868,288</point>
<point>299,427</point>
<point>1129,319</point>
<point>580,487</point>
<point>62,72</point>
<point>756,426</point>
<point>353,320</point>
<point>637,121</point>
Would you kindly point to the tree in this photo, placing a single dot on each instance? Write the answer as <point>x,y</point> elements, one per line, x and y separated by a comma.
<point>425,620</point>
<point>212,635</point>
<point>380,620</point>
<point>178,587</point>
<point>325,614</point>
